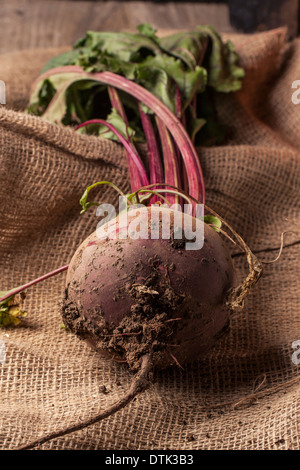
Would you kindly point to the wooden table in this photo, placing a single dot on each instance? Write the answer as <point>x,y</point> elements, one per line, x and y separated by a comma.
<point>26,24</point>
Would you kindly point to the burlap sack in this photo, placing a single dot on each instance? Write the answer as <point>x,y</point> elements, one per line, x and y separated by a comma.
<point>245,393</point>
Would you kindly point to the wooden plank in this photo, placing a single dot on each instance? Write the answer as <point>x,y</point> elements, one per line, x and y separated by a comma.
<point>27,24</point>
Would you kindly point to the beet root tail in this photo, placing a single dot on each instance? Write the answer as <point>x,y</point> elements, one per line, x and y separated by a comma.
<point>141,381</point>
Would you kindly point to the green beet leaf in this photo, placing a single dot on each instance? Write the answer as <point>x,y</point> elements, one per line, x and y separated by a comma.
<point>183,70</point>
<point>11,309</point>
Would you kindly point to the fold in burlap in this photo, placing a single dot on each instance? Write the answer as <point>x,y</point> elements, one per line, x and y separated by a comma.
<point>245,393</point>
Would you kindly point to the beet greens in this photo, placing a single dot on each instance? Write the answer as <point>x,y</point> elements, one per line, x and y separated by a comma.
<point>183,70</point>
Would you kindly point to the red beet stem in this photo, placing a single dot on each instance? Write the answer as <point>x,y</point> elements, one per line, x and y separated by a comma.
<point>196,186</point>
<point>143,178</point>
<point>17,290</point>
<point>169,158</point>
<point>116,103</point>
<point>155,166</point>
<point>188,151</point>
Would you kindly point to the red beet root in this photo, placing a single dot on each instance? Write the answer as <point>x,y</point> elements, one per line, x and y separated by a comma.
<point>130,297</point>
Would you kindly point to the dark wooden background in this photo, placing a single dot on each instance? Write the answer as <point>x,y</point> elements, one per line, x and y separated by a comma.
<point>45,23</point>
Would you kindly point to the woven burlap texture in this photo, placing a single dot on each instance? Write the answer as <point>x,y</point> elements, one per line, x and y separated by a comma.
<point>245,393</point>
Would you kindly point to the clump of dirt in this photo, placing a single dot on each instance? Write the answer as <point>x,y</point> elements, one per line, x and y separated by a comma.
<point>147,327</point>
<point>179,240</point>
<point>79,325</point>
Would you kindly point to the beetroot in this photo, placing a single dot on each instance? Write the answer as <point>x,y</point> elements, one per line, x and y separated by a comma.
<point>151,302</point>
<point>131,297</point>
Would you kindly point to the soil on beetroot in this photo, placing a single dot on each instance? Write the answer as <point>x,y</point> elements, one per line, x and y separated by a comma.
<point>148,328</point>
